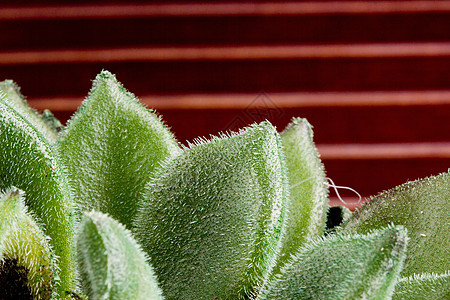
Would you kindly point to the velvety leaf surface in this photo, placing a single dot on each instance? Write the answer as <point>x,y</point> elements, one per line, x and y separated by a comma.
<point>309,194</point>
<point>424,286</point>
<point>23,242</point>
<point>423,207</point>
<point>111,146</point>
<point>111,263</point>
<point>343,267</point>
<point>28,161</point>
<point>10,95</point>
<point>212,218</point>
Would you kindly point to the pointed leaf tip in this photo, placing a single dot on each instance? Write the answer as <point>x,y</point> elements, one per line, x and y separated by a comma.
<point>111,147</point>
<point>11,96</point>
<point>423,207</point>
<point>111,263</point>
<point>342,267</point>
<point>212,218</point>
<point>308,193</point>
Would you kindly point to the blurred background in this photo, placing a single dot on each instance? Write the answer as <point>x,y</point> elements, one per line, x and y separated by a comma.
<point>373,78</point>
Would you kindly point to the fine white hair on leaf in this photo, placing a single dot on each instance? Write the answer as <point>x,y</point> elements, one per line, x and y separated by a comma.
<point>29,160</point>
<point>306,214</point>
<point>423,286</point>
<point>212,216</point>
<point>347,266</point>
<point>112,265</point>
<point>23,241</point>
<point>423,207</point>
<point>111,147</point>
<point>337,187</point>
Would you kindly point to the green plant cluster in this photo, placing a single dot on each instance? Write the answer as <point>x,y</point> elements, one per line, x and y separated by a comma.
<point>111,206</point>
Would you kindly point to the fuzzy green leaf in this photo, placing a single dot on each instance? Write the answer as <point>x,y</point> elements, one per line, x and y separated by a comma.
<point>111,263</point>
<point>27,263</point>
<point>343,267</point>
<point>111,146</point>
<point>10,95</point>
<point>423,207</point>
<point>212,218</point>
<point>29,161</point>
<point>424,286</point>
<point>309,193</point>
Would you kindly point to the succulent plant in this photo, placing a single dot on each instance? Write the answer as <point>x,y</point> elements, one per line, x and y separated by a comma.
<point>111,206</point>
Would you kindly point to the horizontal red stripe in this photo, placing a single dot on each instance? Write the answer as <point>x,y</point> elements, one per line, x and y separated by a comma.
<point>270,100</point>
<point>221,9</point>
<point>329,51</point>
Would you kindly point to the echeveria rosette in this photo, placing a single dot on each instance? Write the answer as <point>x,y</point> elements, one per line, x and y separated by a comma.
<point>112,264</point>
<point>27,263</point>
<point>236,217</point>
<point>29,161</point>
<point>421,206</point>
<point>342,266</point>
<point>211,218</point>
<point>111,146</point>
